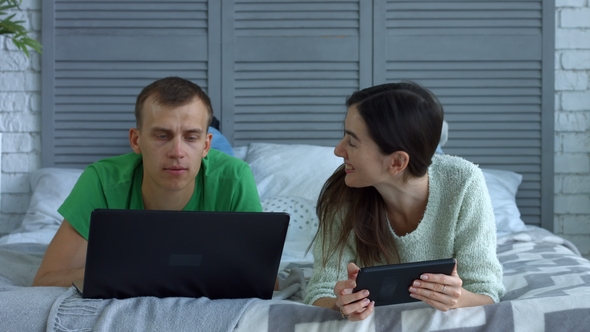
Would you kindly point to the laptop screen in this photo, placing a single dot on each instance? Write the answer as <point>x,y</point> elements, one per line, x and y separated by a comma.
<point>183,253</point>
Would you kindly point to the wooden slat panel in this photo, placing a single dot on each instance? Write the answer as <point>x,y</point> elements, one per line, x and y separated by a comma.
<point>483,60</point>
<point>295,64</point>
<point>297,18</point>
<point>131,48</point>
<point>282,70</point>
<point>297,49</point>
<point>105,53</point>
<point>301,105</point>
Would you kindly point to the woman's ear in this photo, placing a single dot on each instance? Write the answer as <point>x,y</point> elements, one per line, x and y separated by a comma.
<point>398,162</point>
<point>134,140</point>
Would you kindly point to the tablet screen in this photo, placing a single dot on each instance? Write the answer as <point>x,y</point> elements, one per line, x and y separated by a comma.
<point>389,284</point>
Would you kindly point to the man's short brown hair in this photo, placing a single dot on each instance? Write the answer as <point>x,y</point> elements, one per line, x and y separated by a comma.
<point>172,91</point>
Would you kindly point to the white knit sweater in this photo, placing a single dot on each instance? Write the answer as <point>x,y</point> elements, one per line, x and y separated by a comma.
<point>458,222</point>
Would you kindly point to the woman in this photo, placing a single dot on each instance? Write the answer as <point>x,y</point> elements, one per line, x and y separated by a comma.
<point>393,201</point>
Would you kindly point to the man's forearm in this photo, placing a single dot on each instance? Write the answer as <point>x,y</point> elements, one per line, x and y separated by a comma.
<point>59,278</point>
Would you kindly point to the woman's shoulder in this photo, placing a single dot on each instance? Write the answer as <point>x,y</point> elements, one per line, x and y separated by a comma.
<point>454,167</point>
<point>451,178</point>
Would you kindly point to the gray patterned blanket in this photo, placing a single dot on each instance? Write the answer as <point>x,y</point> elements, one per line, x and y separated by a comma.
<point>548,290</point>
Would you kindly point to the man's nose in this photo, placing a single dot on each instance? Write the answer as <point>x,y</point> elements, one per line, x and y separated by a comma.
<point>177,149</point>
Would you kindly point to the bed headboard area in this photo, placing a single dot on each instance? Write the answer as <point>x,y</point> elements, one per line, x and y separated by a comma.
<point>280,72</point>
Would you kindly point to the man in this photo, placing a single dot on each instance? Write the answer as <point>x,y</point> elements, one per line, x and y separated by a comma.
<point>172,168</point>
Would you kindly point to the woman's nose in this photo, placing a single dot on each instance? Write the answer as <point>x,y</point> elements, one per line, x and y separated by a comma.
<point>339,150</point>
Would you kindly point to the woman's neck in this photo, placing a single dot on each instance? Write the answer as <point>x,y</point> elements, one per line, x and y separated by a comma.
<point>405,204</point>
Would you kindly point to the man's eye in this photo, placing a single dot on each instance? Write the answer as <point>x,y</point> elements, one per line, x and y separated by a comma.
<point>191,138</point>
<point>162,136</point>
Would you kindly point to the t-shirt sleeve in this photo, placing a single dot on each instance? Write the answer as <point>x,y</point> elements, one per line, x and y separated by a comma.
<point>475,242</point>
<point>86,196</point>
<point>245,194</point>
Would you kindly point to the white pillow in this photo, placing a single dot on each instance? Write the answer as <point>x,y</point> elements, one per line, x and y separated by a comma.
<point>502,186</point>
<point>303,226</point>
<point>291,169</point>
<point>240,151</point>
<point>50,187</point>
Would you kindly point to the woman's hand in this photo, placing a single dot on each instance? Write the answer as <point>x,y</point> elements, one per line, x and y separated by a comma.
<point>439,290</point>
<point>354,306</point>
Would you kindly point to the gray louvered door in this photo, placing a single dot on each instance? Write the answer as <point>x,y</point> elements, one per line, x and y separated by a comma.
<point>104,53</point>
<point>280,71</point>
<point>484,60</point>
<point>293,65</point>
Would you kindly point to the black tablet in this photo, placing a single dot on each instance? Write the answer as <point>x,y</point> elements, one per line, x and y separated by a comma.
<point>389,284</point>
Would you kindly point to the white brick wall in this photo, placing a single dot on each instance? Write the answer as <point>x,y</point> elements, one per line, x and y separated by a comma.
<point>20,119</point>
<point>20,116</point>
<point>572,122</point>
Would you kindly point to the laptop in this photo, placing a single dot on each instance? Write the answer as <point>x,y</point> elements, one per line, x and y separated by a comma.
<point>219,255</point>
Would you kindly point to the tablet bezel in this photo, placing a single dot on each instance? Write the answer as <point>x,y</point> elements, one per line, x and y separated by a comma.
<point>389,284</point>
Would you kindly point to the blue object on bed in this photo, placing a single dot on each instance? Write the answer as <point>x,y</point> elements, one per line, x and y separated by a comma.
<point>439,150</point>
<point>219,142</point>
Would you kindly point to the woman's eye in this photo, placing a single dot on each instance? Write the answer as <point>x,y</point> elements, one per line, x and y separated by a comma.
<point>350,143</point>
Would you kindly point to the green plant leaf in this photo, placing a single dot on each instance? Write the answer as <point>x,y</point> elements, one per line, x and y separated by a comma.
<point>15,30</point>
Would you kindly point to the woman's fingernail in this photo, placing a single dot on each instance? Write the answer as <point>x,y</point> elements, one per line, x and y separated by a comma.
<point>416,283</point>
<point>424,277</point>
<point>365,293</point>
<point>412,289</point>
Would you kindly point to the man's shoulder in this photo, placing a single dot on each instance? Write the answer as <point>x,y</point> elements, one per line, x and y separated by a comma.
<point>218,162</point>
<point>219,169</point>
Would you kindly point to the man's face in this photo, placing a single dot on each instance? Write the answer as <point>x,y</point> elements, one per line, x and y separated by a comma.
<point>172,141</point>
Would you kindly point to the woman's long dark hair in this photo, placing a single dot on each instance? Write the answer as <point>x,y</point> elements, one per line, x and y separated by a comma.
<point>399,117</point>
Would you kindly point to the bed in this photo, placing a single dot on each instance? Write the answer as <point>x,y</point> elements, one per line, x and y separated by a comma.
<point>548,281</point>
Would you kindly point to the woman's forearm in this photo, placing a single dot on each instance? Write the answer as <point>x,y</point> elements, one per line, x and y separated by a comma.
<point>326,302</point>
<point>469,299</point>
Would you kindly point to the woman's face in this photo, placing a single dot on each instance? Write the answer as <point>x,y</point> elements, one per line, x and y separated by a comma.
<point>365,165</point>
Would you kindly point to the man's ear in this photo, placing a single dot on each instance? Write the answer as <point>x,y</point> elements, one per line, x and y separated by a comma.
<point>134,140</point>
<point>208,140</point>
<point>398,162</point>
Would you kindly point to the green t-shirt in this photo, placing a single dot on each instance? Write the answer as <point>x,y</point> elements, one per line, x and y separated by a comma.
<point>224,183</point>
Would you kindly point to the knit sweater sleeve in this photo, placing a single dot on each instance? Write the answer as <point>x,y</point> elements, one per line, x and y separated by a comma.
<point>324,278</point>
<point>475,241</point>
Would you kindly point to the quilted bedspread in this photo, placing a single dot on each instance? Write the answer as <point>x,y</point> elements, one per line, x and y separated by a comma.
<point>548,285</point>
